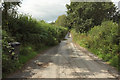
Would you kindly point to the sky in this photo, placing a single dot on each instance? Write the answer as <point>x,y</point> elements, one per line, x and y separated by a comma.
<point>47,10</point>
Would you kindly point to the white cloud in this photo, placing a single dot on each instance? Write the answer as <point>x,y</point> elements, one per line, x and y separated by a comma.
<point>47,10</point>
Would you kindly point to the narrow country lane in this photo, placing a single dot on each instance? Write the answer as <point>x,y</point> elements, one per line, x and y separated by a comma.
<point>67,60</point>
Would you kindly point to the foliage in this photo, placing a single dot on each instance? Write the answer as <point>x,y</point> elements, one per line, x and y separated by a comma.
<point>26,51</point>
<point>103,41</point>
<point>94,29</point>
<point>107,32</point>
<point>61,21</point>
<point>83,16</point>
<point>6,56</point>
<point>33,35</point>
<point>6,39</point>
<point>30,31</point>
<point>9,8</point>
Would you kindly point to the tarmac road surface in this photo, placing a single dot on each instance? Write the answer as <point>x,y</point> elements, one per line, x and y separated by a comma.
<point>67,60</point>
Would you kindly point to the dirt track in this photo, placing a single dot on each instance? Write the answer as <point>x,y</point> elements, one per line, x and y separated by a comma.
<point>67,60</point>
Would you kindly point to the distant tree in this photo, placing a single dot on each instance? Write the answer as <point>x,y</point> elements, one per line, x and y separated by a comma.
<point>61,21</point>
<point>42,21</point>
<point>53,23</point>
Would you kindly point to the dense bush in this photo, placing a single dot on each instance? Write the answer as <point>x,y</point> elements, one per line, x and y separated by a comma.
<point>6,56</point>
<point>105,37</point>
<point>103,41</point>
<point>30,31</point>
<point>33,35</point>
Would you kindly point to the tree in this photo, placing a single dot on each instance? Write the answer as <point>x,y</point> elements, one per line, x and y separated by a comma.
<point>9,10</point>
<point>83,16</point>
<point>61,21</point>
<point>53,23</point>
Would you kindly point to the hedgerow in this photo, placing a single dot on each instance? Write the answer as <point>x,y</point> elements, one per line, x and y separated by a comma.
<point>33,36</point>
<point>102,40</point>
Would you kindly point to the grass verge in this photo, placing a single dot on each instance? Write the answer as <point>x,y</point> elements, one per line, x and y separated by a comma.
<point>26,54</point>
<point>83,40</point>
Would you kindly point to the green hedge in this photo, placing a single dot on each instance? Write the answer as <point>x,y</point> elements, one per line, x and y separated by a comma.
<point>28,30</point>
<point>34,37</point>
<point>103,41</point>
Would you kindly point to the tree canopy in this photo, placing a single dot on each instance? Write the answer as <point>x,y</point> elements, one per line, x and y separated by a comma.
<point>61,21</point>
<point>83,15</point>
